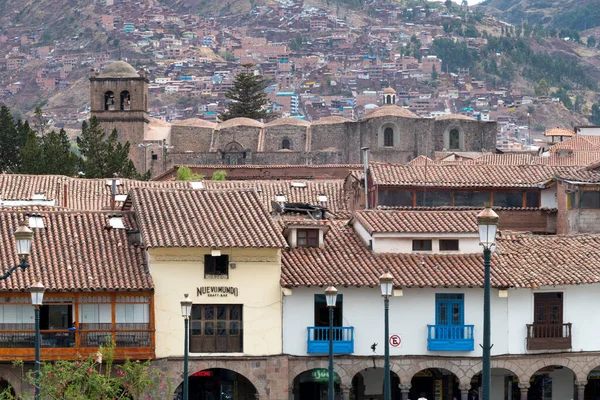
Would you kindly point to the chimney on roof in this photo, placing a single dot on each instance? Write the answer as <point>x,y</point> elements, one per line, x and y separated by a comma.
<point>134,237</point>
<point>113,193</point>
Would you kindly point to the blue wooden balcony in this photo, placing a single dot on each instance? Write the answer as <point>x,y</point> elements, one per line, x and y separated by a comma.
<point>450,338</point>
<point>318,340</point>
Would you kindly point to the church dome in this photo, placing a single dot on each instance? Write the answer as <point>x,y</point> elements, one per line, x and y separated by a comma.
<point>389,91</point>
<point>119,69</point>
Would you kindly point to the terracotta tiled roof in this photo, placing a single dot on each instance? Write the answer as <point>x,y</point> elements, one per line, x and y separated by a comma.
<point>521,261</point>
<point>390,110</point>
<point>421,160</point>
<point>461,175</point>
<point>76,251</point>
<point>559,132</point>
<point>576,158</point>
<point>204,218</point>
<point>288,121</point>
<point>505,159</point>
<point>241,121</point>
<point>578,143</point>
<point>297,191</point>
<point>331,120</point>
<point>396,221</point>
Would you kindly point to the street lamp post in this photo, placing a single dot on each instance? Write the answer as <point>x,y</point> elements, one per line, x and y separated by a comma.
<point>331,298</point>
<point>186,310</point>
<point>386,281</point>
<point>37,297</point>
<point>23,238</point>
<point>487,220</point>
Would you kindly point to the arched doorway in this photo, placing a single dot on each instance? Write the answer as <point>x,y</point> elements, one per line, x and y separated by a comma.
<point>505,384</point>
<point>368,384</point>
<point>234,154</point>
<point>217,384</point>
<point>313,385</point>
<point>435,383</point>
<point>592,389</point>
<point>552,382</point>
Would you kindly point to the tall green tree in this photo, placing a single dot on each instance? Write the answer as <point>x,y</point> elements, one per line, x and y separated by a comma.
<point>31,154</point>
<point>12,140</point>
<point>103,156</point>
<point>57,156</point>
<point>248,97</point>
<point>542,88</point>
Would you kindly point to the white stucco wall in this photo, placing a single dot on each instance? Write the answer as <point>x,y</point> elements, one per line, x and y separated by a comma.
<point>548,198</point>
<point>411,313</point>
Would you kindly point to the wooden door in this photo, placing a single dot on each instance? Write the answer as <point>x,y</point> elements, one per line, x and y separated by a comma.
<point>548,315</point>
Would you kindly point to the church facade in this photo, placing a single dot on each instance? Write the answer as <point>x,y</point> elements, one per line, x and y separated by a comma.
<point>392,134</point>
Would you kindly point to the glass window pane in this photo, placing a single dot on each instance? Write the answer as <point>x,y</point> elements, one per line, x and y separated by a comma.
<point>196,328</point>
<point>221,312</point>
<point>467,198</point>
<point>209,328</point>
<point>395,198</point>
<point>196,312</point>
<point>448,244</point>
<point>209,313</point>
<point>234,328</point>
<point>590,200</point>
<point>434,198</point>
<point>508,199</point>
<point>235,313</point>
<point>533,199</point>
<point>221,328</point>
<point>421,245</point>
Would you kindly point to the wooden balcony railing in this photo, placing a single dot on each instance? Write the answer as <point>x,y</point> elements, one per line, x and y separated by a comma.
<point>450,337</point>
<point>318,340</point>
<point>131,341</point>
<point>548,336</point>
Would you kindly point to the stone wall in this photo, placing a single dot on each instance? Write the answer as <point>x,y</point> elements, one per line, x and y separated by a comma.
<point>191,138</point>
<point>274,136</point>
<point>246,136</point>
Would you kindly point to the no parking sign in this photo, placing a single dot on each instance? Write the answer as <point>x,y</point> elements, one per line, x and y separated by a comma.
<point>395,341</point>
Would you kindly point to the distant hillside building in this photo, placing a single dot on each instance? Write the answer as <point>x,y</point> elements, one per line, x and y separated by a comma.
<point>393,134</point>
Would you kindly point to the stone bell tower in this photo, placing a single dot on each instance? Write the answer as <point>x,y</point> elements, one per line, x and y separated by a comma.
<point>119,99</point>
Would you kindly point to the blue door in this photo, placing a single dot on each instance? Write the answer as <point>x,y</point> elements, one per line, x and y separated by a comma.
<point>449,316</point>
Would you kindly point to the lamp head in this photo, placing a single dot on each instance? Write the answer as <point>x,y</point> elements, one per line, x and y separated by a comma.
<point>331,296</point>
<point>186,306</point>
<point>37,293</point>
<point>23,238</point>
<point>386,281</point>
<point>487,221</point>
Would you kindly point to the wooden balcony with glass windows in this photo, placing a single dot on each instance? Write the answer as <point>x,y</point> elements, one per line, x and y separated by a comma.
<point>549,336</point>
<point>74,325</point>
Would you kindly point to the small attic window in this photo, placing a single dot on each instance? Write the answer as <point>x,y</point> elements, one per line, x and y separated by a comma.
<point>197,185</point>
<point>322,198</point>
<point>39,196</point>
<point>120,197</point>
<point>116,222</point>
<point>280,198</point>
<point>35,221</point>
<point>299,184</point>
<point>109,182</point>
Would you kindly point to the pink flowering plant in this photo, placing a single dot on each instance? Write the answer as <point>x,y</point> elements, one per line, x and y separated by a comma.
<point>97,378</point>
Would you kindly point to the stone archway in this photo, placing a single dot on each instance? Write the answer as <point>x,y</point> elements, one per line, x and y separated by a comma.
<point>313,384</point>
<point>433,383</point>
<point>552,381</point>
<point>505,383</point>
<point>218,383</point>
<point>368,383</point>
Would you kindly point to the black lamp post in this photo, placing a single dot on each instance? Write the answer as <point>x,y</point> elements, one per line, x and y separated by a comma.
<point>487,220</point>
<point>23,238</point>
<point>186,310</point>
<point>331,298</point>
<point>386,281</point>
<point>37,297</point>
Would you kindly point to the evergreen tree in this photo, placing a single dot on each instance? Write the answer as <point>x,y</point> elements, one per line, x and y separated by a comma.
<point>31,155</point>
<point>57,156</point>
<point>434,74</point>
<point>103,157</point>
<point>12,139</point>
<point>247,96</point>
<point>542,88</point>
<point>39,122</point>
<point>591,42</point>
